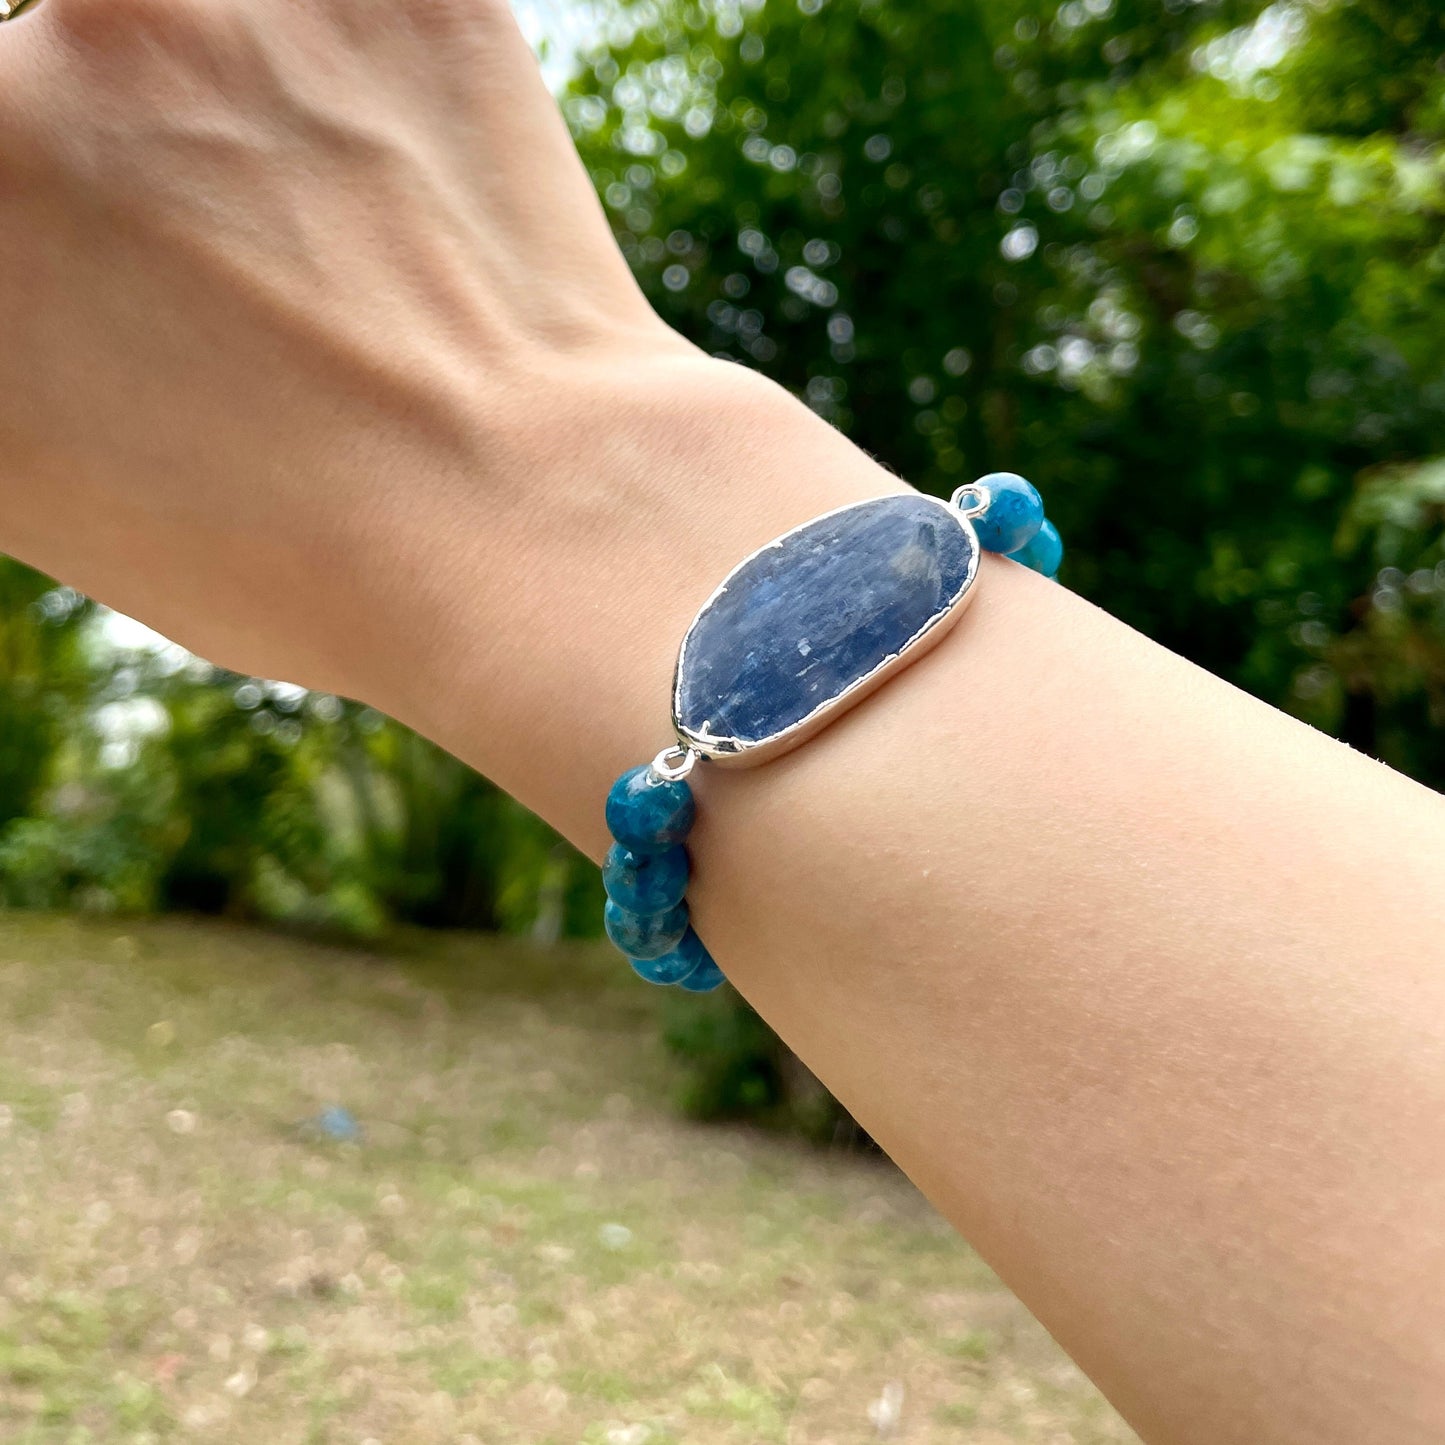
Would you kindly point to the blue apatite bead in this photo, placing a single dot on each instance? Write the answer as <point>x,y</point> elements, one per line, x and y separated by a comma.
<point>1015,512</point>
<point>1045,552</point>
<point>706,976</point>
<point>645,882</point>
<point>647,813</point>
<point>674,967</point>
<point>645,935</point>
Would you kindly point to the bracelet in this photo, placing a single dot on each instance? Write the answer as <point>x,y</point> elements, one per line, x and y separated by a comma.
<point>798,632</point>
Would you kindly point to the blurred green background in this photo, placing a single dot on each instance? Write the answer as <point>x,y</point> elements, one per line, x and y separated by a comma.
<point>1178,261</point>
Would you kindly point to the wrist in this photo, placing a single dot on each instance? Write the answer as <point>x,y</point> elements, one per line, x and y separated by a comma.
<point>535,610</point>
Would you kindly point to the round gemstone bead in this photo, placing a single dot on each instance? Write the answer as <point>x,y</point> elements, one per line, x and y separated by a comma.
<point>1044,552</point>
<point>647,813</point>
<point>645,935</point>
<point>1015,512</point>
<point>674,967</point>
<point>645,882</point>
<point>705,977</point>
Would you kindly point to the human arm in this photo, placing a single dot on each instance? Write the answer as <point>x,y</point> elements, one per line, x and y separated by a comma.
<point>329,368</point>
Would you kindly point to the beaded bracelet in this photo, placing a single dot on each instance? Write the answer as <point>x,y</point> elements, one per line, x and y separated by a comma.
<point>797,633</point>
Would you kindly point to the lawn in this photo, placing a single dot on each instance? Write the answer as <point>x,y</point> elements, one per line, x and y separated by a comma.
<point>523,1242</point>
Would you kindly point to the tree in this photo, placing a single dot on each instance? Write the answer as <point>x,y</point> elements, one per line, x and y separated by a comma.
<point>43,680</point>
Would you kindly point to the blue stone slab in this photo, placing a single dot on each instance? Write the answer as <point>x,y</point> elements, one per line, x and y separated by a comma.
<point>802,628</point>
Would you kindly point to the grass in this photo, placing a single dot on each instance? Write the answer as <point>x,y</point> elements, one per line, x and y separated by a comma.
<point>526,1244</point>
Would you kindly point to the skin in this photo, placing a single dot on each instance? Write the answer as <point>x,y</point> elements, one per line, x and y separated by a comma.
<point>320,359</point>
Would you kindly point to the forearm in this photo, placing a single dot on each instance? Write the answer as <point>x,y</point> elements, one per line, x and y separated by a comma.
<point>1137,978</point>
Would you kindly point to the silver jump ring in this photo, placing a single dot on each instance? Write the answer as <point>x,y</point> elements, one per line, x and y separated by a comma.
<point>675,763</point>
<point>972,499</point>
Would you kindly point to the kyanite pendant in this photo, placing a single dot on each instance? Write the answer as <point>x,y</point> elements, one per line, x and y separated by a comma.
<point>810,624</point>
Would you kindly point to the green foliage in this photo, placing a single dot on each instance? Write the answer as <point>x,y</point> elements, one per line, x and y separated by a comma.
<point>50,862</point>
<point>42,678</point>
<point>176,786</point>
<point>445,848</point>
<point>738,1068</point>
<point>736,1062</point>
<point>1181,263</point>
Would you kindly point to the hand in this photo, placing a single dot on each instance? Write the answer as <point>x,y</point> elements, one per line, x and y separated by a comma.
<point>281,280</point>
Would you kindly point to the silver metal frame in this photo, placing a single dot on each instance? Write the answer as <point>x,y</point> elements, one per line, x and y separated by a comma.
<point>675,763</point>
<point>733,752</point>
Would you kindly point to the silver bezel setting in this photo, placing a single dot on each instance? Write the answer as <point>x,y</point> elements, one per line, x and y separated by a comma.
<point>738,753</point>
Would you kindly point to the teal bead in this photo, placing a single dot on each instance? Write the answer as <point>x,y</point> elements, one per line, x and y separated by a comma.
<point>1045,552</point>
<point>674,967</point>
<point>648,813</point>
<point>705,977</point>
<point>645,882</point>
<point>645,935</point>
<point>1015,512</point>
